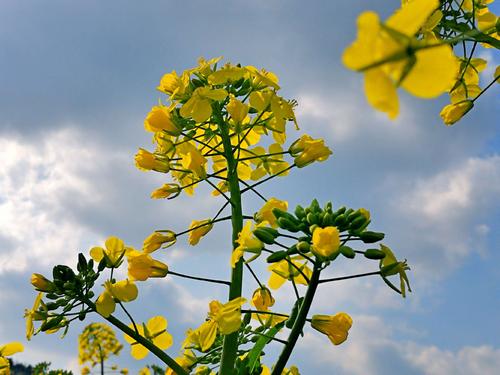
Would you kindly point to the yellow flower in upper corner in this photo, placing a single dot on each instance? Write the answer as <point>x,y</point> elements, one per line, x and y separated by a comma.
<point>156,240</point>
<point>390,56</point>
<point>266,211</point>
<point>198,229</point>
<point>146,161</point>
<point>155,330</point>
<point>142,266</point>
<point>325,242</point>
<point>160,119</point>
<point>199,106</point>
<point>41,283</point>
<point>399,268</point>
<point>124,291</point>
<point>113,253</point>
<point>246,242</point>
<point>282,271</point>
<point>32,315</point>
<point>262,299</point>
<point>5,351</point>
<point>307,150</point>
<point>166,191</point>
<point>454,112</point>
<point>336,327</point>
<point>228,315</point>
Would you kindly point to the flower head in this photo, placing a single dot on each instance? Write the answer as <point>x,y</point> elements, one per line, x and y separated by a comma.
<point>155,330</point>
<point>113,252</point>
<point>266,211</point>
<point>454,112</point>
<point>325,242</point>
<point>156,239</point>
<point>198,229</point>
<point>336,327</point>
<point>124,291</point>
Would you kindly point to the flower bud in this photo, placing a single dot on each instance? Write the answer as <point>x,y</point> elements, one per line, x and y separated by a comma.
<point>41,283</point>
<point>325,242</point>
<point>454,112</point>
<point>262,299</point>
<point>166,191</point>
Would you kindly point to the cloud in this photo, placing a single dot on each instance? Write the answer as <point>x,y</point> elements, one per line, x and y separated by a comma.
<point>451,211</point>
<point>372,349</point>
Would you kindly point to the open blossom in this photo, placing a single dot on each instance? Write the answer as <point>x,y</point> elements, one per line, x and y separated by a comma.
<point>198,229</point>
<point>124,291</point>
<point>325,241</point>
<point>155,330</point>
<point>390,56</point>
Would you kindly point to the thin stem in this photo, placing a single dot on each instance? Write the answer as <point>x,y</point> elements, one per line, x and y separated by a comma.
<point>255,191</point>
<point>264,156</point>
<point>267,179</point>
<point>349,277</point>
<point>298,325</point>
<point>269,337</point>
<point>264,312</point>
<point>486,88</point>
<point>254,275</point>
<point>199,226</point>
<point>219,190</point>
<point>215,281</point>
<point>164,357</point>
<point>129,316</point>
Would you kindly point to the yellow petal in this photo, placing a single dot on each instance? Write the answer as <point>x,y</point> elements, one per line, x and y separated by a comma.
<point>362,51</point>
<point>163,340</point>
<point>97,253</point>
<point>157,324</point>
<point>11,348</point>
<point>124,290</point>
<point>137,351</point>
<point>105,304</point>
<point>434,72</point>
<point>412,16</point>
<point>381,93</point>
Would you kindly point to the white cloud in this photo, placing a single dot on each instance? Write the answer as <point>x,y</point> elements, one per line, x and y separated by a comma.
<point>35,182</point>
<point>371,349</point>
<point>449,210</point>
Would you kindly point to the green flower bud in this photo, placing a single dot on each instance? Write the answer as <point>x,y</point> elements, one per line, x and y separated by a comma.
<point>374,254</point>
<point>371,237</point>
<point>347,252</point>
<point>277,256</point>
<point>266,235</point>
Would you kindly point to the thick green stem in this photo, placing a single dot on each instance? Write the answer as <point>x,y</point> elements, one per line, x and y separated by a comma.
<point>230,346</point>
<point>299,323</point>
<point>164,357</point>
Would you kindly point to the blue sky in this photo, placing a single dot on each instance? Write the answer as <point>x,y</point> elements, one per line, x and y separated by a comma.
<point>78,78</point>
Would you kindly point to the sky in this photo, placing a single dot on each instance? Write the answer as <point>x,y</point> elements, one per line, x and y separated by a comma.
<point>77,80</point>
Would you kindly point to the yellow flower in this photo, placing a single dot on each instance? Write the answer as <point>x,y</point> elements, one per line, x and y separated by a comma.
<point>146,161</point>
<point>262,299</point>
<point>454,112</point>
<point>155,330</point>
<point>198,229</point>
<point>142,266</point>
<point>199,106</point>
<point>166,191</point>
<point>124,291</point>
<point>32,315</point>
<point>282,271</point>
<point>113,253</point>
<point>85,371</point>
<point>202,337</point>
<point>226,74</point>
<point>307,150</point>
<point>266,211</point>
<point>8,350</point>
<point>186,361</point>
<point>227,316</point>
<point>237,110</point>
<point>390,56</point>
<point>336,327</point>
<point>174,85</point>
<point>325,242</point>
<point>400,268</point>
<point>144,371</point>
<point>265,164</point>
<point>195,162</point>
<point>41,283</point>
<point>160,119</point>
<point>124,371</point>
<point>156,239</point>
<point>246,242</point>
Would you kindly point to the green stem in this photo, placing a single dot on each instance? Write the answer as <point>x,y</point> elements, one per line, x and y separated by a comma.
<point>230,345</point>
<point>299,322</point>
<point>164,357</point>
<point>170,272</point>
